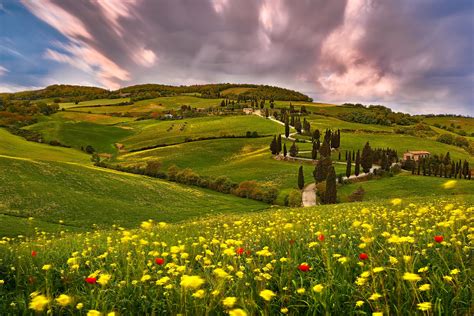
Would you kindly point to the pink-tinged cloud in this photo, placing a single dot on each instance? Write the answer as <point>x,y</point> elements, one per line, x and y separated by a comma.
<point>344,72</point>
<point>57,17</point>
<point>145,57</point>
<point>219,5</point>
<point>114,10</point>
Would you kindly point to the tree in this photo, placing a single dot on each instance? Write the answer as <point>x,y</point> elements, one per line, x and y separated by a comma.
<point>298,126</point>
<point>287,127</point>
<point>314,152</point>
<point>274,146</point>
<point>330,196</point>
<point>89,149</point>
<point>222,103</point>
<point>293,150</point>
<point>357,164</point>
<point>316,134</point>
<point>366,158</point>
<point>325,149</point>
<point>279,143</point>
<point>267,114</point>
<point>318,172</point>
<point>284,150</point>
<point>300,178</point>
<point>348,168</point>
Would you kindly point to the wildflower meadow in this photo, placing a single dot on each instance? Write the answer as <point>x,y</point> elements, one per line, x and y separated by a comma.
<point>402,257</point>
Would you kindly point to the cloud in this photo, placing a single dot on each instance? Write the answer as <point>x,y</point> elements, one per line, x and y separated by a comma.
<point>3,70</point>
<point>414,56</point>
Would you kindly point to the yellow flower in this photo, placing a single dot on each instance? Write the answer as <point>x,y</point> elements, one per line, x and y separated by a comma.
<point>220,273</point>
<point>396,201</point>
<point>378,269</point>
<point>425,306</point>
<point>39,302</point>
<point>393,260</point>
<point>104,279</point>
<point>111,314</point>
<point>191,281</point>
<point>237,312</point>
<point>267,295</point>
<point>284,310</point>
<point>377,314</point>
<point>424,287</point>
<point>449,184</point>
<point>2,282</point>
<point>448,278</point>
<point>64,300</point>
<point>145,278</point>
<point>46,267</point>
<point>146,225</point>
<point>199,294</point>
<point>412,277</point>
<point>454,271</point>
<point>424,269</point>
<point>93,312</point>
<point>375,297</point>
<point>318,288</point>
<point>79,306</point>
<point>300,290</point>
<point>229,302</point>
<point>163,280</point>
<point>359,303</point>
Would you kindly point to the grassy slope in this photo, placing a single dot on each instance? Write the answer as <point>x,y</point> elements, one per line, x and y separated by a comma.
<point>323,122</point>
<point>404,184</point>
<point>53,183</point>
<point>467,124</point>
<point>239,159</point>
<point>79,134</point>
<point>91,118</point>
<point>151,132</point>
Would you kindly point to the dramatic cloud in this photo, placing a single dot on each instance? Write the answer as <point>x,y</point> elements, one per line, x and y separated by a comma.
<point>3,70</point>
<point>414,56</point>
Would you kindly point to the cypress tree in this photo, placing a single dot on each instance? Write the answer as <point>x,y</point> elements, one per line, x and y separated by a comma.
<point>274,146</point>
<point>348,168</point>
<point>287,127</point>
<point>300,178</point>
<point>316,134</point>
<point>418,165</point>
<point>284,150</point>
<point>325,150</point>
<point>366,158</point>
<point>453,167</point>
<point>330,195</point>
<point>424,166</point>
<point>413,167</point>
<point>314,152</point>
<point>279,144</point>
<point>339,156</point>
<point>293,150</point>
<point>357,164</point>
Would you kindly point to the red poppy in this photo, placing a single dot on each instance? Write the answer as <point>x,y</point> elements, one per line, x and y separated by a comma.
<point>33,253</point>
<point>438,238</point>
<point>321,237</point>
<point>363,256</point>
<point>239,251</point>
<point>159,261</point>
<point>91,280</point>
<point>304,267</point>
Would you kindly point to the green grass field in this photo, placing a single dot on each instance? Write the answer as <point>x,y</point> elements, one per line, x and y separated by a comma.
<point>466,124</point>
<point>83,195</point>
<point>238,159</point>
<point>151,132</point>
<point>324,122</point>
<point>80,134</point>
<point>91,118</point>
<point>406,184</point>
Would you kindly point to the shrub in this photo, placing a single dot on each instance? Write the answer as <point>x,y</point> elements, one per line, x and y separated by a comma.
<point>446,139</point>
<point>294,198</point>
<point>357,195</point>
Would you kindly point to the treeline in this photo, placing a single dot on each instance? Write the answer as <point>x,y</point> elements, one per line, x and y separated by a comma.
<point>439,165</point>
<point>21,113</point>
<point>58,91</point>
<point>247,189</point>
<point>376,114</point>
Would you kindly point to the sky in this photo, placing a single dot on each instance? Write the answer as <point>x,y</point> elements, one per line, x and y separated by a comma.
<point>414,56</point>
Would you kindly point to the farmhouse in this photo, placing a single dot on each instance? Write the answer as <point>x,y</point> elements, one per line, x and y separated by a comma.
<point>416,155</point>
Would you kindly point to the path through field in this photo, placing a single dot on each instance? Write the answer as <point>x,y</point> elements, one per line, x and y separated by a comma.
<point>309,195</point>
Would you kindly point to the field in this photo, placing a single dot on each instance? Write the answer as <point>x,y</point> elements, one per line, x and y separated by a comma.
<point>68,105</point>
<point>151,132</point>
<point>466,124</point>
<point>404,184</point>
<point>239,159</point>
<point>406,256</point>
<point>47,182</point>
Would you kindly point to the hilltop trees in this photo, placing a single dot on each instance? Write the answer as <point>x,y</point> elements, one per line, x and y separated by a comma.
<point>357,164</point>
<point>285,152</point>
<point>366,158</point>
<point>300,178</point>
<point>314,151</point>
<point>348,167</point>
<point>325,149</point>
<point>287,126</point>
<point>274,146</point>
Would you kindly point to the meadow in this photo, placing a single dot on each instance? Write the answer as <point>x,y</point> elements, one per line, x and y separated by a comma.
<point>95,102</point>
<point>404,256</point>
<point>149,133</point>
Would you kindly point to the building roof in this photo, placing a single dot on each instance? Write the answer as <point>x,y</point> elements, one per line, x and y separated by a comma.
<point>418,152</point>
